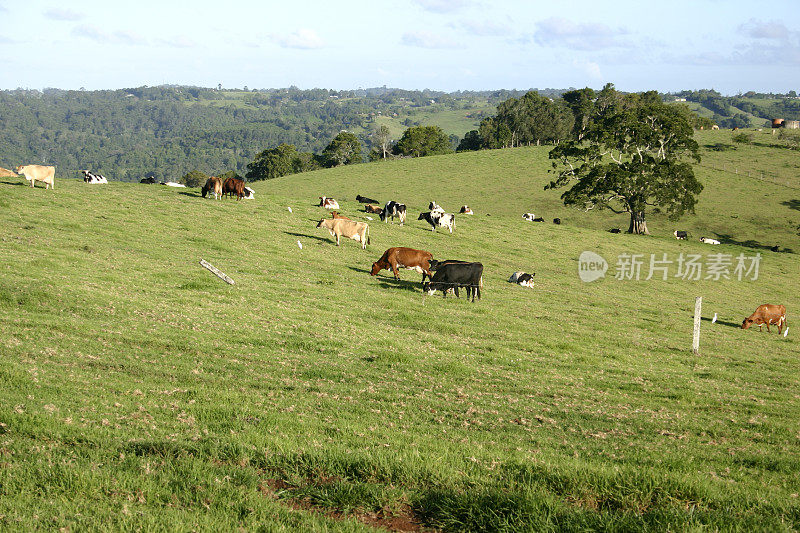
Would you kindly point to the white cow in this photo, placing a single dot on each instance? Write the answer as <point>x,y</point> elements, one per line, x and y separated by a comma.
<point>709,241</point>
<point>34,173</point>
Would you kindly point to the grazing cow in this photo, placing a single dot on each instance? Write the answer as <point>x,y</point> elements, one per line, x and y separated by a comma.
<point>709,241</point>
<point>765,315</point>
<point>34,173</point>
<point>680,235</point>
<point>433,207</point>
<point>358,231</point>
<point>151,180</point>
<point>233,186</point>
<point>456,275</point>
<point>335,214</point>
<point>522,278</point>
<point>394,209</point>
<point>437,218</point>
<point>328,203</point>
<point>249,194</point>
<point>465,210</point>
<point>615,230</point>
<point>373,209</point>
<point>365,200</point>
<point>556,221</point>
<point>400,257</point>
<point>90,177</point>
<point>529,217</point>
<point>213,185</point>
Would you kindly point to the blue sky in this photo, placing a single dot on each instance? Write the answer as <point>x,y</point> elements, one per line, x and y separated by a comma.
<point>732,46</point>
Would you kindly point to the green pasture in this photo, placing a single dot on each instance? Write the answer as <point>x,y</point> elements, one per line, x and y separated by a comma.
<point>141,392</point>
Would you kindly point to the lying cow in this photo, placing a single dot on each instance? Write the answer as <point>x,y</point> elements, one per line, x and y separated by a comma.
<point>615,230</point>
<point>454,276</point>
<point>373,209</point>
<point>680,235</point>
<point>233,186</point>
<point>335,214</point>
<point>437,218</point>
<point>765,315</point>
<point>365,200</point>
<point>249,194</point>
<point>173,184</point>
<point>556,221</point>
<point>522,278</point>
<point>529,217</point>
<point>34,173</point>
<point>213,185</point>
<point>150,181</point>
<point>394,209</point>
<point>358,231</point>
<point>465,210</point>
<point>328,203</point>
<point>433,207</point>
<point>709,241</point>
<point>92,178</point>
<point>400,257</point>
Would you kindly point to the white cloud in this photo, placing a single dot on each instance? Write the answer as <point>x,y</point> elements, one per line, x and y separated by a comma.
<point>485,28</point>
<point>757,29</point>
<point>57,13</point>
<point>560,32</point>
<point>426,39</point>
<point>443,6</point>
<point>103,37</point>
<point>303,39</point>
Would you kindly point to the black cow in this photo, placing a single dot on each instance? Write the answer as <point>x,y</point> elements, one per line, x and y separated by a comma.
<point>455,275</point>
<point>365,200</point>
<point>149,180</point>
<point>394,209</point>
<point>615,230</point>
<point>680,235</point>
<point>556,221</point>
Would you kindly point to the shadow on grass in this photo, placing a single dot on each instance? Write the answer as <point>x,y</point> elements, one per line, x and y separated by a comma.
<point>722,322</point>
<point>728,239</point>
<point>792,204</point>
<point>324,239</point>
<point>191,193</point>
<point>14,183</point>
<point>388,282</point>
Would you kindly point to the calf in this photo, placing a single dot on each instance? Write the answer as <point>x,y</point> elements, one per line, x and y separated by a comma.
<point>365,200</point>
<point>213,185</point>
<point>394,209</point>
<point>400,257</point>
<point>34,173</point>
<point>765,315</point>
<point>373,209</point>
<point>709,241</point>
<point>233,186</point>
<point>465,210</point>
<point>680,235</point>
<point>358,231</point>
<point>456,275</point>
<point>328,203</point>
<point>522,278</point>
<point>436,218</point>
<point>335,214</point>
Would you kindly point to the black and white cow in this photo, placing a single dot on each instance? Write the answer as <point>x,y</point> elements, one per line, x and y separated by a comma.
<point>91,177</point>
<point>433,207</point>
<point>455,276</point>
<point>522,278</point>
<point>365,200</point>
<point>529,217</point>
<point>249,194</point>
<point>680,235</point>
<point>436,218</point>
<point>394,209</point>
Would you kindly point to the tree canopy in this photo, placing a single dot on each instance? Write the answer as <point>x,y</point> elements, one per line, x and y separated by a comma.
<point>420,141</point>
<point>636,152</point>
<point>344,149</point>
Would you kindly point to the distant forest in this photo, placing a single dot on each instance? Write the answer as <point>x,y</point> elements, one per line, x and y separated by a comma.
<point>169,131</point>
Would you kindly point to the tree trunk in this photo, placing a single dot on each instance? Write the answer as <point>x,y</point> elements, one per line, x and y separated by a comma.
<point>638,225</point>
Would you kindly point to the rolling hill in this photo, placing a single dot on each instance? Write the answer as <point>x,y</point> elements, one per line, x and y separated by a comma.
<point>142,392</point>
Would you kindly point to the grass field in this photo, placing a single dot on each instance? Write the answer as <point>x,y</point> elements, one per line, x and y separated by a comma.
<point>140,392</point>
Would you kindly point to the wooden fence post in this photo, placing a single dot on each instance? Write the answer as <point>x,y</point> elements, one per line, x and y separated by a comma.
<point>698,305</point>
<point>217,272</point>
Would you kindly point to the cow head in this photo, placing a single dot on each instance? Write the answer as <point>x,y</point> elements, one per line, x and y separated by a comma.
<point>427,288</point>
<point>422,216</point>
<point>748,322</point>
<point>19,169</point>
<point>319,224</point>
<point>375,269</point>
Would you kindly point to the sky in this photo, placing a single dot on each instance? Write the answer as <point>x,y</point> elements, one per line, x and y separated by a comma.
<point>732,46</point>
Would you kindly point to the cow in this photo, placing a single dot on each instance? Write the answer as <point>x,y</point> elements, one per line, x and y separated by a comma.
<point>150,181</point>
<point>456,275</point>
<point>437,218</point>
<point>765,315</point>
<point>522,278</point>
<point>401,257</point>
<point>556,221</point>
<point>365,200</point>
<point>680,235</point>
<point>529,217</point>
<point>373,209</point>
<point>394,209</point>
<point>173,184</point>
<point>775,248</point>
<point>233,186</point>
<point>708,241</point>
<point>90,177</point>
<point>335,214</point>
<point>538,219</point>
<point>328,203</point>
<point>249,194</point>
<point>615,230</point>
<point>435,265</point>
<point>465,210</point>
<point>34,173</point>
<point>213,185</point>
<point>358,231</point>
<point>433,207</point>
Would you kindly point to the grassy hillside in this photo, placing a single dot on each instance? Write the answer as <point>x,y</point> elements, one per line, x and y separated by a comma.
<point>142,392</point>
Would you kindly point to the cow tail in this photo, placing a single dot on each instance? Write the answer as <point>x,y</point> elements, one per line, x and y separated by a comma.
<point>368,239</point>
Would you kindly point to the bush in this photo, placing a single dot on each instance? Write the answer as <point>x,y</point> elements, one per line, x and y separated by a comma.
<point>742,138</point>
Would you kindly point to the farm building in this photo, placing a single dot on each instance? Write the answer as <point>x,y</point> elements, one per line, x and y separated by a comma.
<point>791,124</point>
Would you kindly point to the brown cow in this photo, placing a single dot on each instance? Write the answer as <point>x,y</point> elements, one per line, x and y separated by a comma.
<point>335,214</point>
<point>400,257</point>
<point>369,208</point>
<point>34,173</point>
<point>213,184</point>
<point>765,315</point>
<point>233,186</point>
